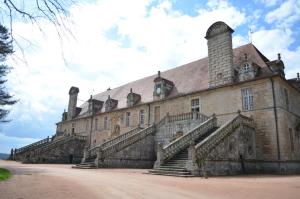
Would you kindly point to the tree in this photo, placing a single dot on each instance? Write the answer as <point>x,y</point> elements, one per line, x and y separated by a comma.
<point>35,11</point>
<point>6,49</point>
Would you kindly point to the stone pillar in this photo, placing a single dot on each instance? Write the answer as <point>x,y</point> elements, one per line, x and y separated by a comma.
<point>99,158</point>
<point>220,54</point>
<point>160,156</point>
<point>191,164</point>
<point>85,154</point>
<point>73,93</point>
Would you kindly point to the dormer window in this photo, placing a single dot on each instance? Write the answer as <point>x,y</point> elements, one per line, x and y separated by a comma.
<point>246,67</point>
<point>133,98</point>
<point>162,87</point>
<point>110,104</point>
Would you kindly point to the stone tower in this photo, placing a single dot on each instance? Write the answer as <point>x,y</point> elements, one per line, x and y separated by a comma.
<point>220,54</point>
<point>73,93</point>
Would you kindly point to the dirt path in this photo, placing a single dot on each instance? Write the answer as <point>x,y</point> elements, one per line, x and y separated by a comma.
<point>43,181</point>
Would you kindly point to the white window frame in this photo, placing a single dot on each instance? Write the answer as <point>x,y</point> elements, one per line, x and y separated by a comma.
<point>246,67</point>
<point>142,117</point>
<point>195,106</point>
<point>127,119</point>
<point>247,99</point>
<point>105,123</point>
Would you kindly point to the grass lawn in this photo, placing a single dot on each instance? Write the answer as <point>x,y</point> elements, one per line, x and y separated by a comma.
<point>4,174</point>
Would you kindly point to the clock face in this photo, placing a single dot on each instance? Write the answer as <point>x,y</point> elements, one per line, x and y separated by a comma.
<point>158,90</point>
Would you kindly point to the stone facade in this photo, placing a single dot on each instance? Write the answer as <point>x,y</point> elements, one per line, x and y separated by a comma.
<point>174,113</point>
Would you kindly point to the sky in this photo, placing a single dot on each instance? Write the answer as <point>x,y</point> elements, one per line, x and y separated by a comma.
<point>115,42</point>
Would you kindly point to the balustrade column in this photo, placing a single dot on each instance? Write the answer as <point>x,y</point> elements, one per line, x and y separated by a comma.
<point>160,156</point>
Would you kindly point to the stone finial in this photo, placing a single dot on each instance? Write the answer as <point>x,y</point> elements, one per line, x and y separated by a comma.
<point>158,73</point>
<point>213,115</point>
<point>108,89</point>
<point>130,90</point>
<point>239,111</point>
<point>91,97</point>
<point>298,77</point>
<point>279,56</point>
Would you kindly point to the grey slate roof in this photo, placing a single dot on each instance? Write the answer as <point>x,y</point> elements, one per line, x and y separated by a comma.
<point>187,78</point>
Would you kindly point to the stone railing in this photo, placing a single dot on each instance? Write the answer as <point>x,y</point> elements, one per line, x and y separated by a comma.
<point>184,116</point>
<point>127,142</point>
<point>33,145</point>
<point>187,116</point>
<point>62,139</point>
<point>102,152</point>
<point>208,144</point>
<point>183,142</point>
<point>93,150</point>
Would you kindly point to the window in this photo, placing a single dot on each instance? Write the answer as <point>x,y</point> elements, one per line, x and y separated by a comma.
<point>73,127</point>
<point>286,96</point>
<point>246,67</point>
<point>87,125</point>
<point>292,140</point>
<point>247,97</point>
<point>127,119</point>
<point>105,123</point>
<point>96,124</point>
<point>195,105</point>
<point>142,117</point>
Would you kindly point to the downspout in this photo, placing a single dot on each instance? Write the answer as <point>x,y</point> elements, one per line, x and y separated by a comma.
<point>276,119</point>
<point>148,114</point>
<point>91,130</point>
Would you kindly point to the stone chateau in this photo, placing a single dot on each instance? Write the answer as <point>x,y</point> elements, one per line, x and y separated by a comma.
<point>233,112</point>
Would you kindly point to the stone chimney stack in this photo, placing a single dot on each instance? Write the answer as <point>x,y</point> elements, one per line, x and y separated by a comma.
<point>220,54</point>
<point>73,94</point>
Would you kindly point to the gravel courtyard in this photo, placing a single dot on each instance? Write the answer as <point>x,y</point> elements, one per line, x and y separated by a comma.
<point>41,181</point>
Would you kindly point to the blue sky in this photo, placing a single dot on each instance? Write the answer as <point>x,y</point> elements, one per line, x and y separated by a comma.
<point>117,44</point>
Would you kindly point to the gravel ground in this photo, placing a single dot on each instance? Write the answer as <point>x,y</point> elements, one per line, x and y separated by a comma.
<point>43,181</point>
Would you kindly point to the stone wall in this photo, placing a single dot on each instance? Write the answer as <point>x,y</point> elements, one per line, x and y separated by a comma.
<point>66,150</point>
<point>232,155</point>
<point>138,155</point>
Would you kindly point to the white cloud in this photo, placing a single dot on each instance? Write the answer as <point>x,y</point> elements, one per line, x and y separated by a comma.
<point>115,45</point>
<point>286,15</point>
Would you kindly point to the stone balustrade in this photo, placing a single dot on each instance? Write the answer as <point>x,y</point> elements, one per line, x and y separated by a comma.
<point>33,145</point>
<point>93,150</point>
<point>209,143</point>
<point>127,142</point>
<point>183,142</point>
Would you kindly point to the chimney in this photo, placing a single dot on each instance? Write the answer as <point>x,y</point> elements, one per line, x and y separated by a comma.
<point>220,54</point>
<point>73,94</point>
<point>158,74</point>
<point>279,56</point>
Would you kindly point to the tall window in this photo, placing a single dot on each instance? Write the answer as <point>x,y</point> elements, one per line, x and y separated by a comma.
<point>195,105</point>
<point>105,123</point>
<point>292,140</point>
<point>73,127</point>
<point>286,96</point>
<point>142,117</point>
<point>96,124</point>
<point>127,119</point>
<point>247,97</point>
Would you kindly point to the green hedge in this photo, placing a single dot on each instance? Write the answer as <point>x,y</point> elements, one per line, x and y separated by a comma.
<point>4,174</point>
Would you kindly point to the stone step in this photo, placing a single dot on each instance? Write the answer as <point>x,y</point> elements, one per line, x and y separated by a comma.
<point>84,167</point>
<point>169,172</point>
<point>173,167</point>
<point>175,175</point>
<point>170,169</point>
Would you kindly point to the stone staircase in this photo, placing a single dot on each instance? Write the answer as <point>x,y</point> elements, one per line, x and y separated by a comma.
<point>176,166</point>
<point>112,146</point>
<point>88,164</point>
